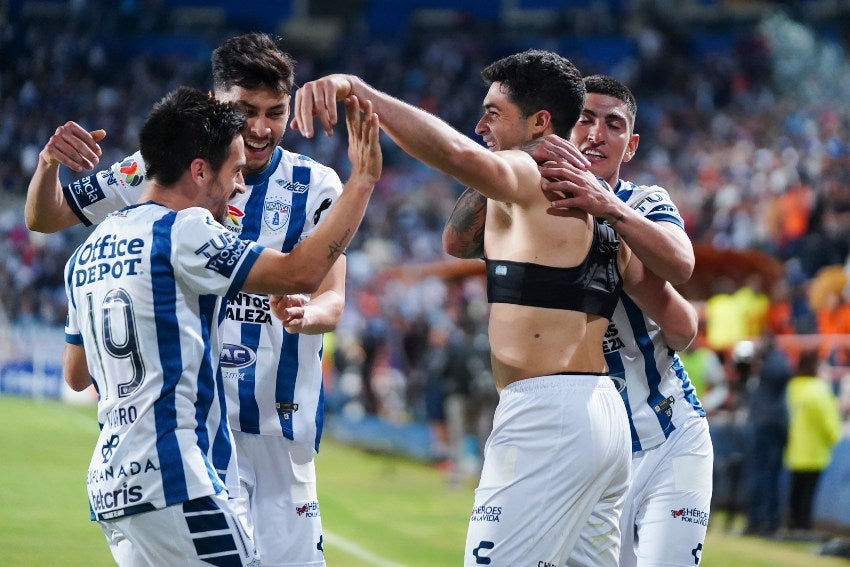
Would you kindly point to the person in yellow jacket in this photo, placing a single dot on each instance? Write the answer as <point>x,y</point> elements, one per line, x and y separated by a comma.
<point>814,427</point>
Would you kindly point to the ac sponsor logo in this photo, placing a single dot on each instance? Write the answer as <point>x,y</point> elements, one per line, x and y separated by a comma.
<point>223,253</point>
<point>86,191</point>
<point>691,516</point>
<point>308,510</point>
<point>486,514</point>
<point>236,356</point>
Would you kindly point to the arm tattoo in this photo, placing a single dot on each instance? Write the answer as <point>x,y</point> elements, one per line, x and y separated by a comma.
<point>467,221</point>
<point>336,246</point>
<point>530,147</point>
<point>615,220</point>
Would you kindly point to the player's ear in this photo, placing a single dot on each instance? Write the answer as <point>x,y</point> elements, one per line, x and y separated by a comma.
<point>540,121</point>
<point>199,170</point>
<point>631,147</point>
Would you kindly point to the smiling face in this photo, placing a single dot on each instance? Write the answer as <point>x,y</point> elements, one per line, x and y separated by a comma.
<point>503,126</point>
<point>604,135</point>
<point>267,113</point>
<point>225,183</point>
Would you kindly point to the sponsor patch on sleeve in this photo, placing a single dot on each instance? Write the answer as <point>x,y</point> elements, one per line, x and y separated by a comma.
<point>86,191</point>
<point>223,253</point>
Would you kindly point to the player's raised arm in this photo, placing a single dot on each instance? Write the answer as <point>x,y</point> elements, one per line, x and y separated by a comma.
<point>420,134</point>
<point>303,269</point>
<point>46,209</point>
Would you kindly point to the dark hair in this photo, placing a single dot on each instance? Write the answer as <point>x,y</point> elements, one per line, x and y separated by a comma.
<point>187,124</point>
<point>541,80</point>
<point>605,85</point>
<point>253,61</point>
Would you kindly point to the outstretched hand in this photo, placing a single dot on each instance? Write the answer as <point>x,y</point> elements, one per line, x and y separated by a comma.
<point>318,99</point>
<point>364,147</point>
<point>74,147</point>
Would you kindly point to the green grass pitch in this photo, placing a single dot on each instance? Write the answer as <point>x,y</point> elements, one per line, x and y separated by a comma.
<point>377,510</point>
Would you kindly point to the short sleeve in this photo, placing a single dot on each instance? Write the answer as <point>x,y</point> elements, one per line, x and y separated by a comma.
<point>654,203</point>
<point>72,330</point>
<point>209,258</point>
<point>92,198</point>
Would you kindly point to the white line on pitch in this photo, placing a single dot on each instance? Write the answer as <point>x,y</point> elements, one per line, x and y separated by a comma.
<point>355,550</point>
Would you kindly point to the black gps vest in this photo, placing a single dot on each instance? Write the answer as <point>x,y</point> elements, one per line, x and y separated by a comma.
<point>590,287</point>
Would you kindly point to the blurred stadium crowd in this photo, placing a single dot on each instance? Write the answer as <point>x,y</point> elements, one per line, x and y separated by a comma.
<point>744,121</point>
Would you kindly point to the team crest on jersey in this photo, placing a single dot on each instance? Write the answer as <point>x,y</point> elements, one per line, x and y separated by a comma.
<point>130,173</point>
<point>276,214</point>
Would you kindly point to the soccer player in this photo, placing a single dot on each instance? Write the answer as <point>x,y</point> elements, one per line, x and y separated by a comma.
<point>272,376</point>
<point>666,513</point>
<point>556,464</point>
<point>143,323</point>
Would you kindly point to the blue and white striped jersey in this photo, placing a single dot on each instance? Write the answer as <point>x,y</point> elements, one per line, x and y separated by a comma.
<point>273,379</point>
<point>143,301</point>
<point>659,396</point>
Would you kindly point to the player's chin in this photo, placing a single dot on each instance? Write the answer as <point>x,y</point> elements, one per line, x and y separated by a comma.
<point>257,160</point>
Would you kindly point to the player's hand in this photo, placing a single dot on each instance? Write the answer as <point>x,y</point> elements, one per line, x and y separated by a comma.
<point>553,148</point>
<point>364,147</point>
<point>74,147</point>
<point>291,310</point>
<point>569,187</point>
<point>318,99</point>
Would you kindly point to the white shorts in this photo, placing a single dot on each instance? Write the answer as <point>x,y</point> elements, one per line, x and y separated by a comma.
<point>556,471</point>
<point>199,532</point>
<point>278,481</point>
<point>666,514</point>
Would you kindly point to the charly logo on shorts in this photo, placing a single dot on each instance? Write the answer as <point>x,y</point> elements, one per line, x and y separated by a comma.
<point>691,516</point>
<point>276,214</point>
